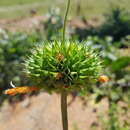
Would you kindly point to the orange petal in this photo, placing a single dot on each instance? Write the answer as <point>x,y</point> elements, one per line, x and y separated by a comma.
<point>20,90</point>
<point>10,92</point>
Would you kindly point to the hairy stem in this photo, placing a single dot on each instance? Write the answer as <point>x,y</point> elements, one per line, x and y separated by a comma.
<point>65,20</point>
<point>64,110</point>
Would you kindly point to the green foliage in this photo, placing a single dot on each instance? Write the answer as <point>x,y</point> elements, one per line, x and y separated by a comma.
<point>117,24</point>
<point>58,66</point>
<point>53,25</point>
<point>13,48</point>
<point>117,89</point>
<point>116,67</point>
<point>113,123</point>
<point>126,41</point>
<point>120,63</point>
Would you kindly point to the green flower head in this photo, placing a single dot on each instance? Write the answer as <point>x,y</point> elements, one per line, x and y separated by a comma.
<point>58,66</point>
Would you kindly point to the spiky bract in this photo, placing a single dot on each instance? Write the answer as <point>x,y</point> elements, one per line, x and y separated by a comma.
<point>58,66</point>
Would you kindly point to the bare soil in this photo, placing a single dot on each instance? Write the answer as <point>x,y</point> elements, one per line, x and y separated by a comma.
<point>42,112</point>
<point>34,21</point>
<point>22,24</point>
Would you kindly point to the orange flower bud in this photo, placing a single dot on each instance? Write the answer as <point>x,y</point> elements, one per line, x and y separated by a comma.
<point>103,79</point>
<point>20,90</point>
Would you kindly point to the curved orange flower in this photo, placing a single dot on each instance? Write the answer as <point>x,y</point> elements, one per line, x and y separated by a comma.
<point>20,90</point>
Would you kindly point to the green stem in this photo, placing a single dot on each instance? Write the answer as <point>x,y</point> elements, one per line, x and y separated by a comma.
<point>64,110</point>
<point>64,94</point>
<point>65,20</point>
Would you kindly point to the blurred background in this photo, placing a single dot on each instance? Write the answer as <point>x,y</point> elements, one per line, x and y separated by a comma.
<point>104,25</point>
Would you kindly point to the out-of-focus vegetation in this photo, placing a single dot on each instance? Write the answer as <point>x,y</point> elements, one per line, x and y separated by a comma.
<point>53,25</point>
<point>91,8</point>
<point>13,49</point>
<point>116,24</point>
<point>111,38</point>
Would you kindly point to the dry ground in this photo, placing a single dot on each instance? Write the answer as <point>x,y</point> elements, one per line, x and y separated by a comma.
<point>32,22</point>
<point>42,112</point>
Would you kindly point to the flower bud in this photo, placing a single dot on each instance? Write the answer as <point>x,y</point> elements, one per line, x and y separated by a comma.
<point>103,79</point>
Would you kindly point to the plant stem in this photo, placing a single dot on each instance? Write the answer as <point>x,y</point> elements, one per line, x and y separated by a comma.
<point>64,94</point>
<point>64,110</point>
<point>65,20</point>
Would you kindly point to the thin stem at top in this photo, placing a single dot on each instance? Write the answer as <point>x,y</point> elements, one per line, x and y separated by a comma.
<point>65,20</point>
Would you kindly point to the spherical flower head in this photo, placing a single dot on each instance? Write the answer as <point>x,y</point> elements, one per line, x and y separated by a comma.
<point>53,66</point>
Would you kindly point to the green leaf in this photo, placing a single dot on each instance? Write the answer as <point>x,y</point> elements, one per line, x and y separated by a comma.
<point>120,63</point>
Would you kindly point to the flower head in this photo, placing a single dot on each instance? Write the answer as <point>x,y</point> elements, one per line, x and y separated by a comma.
<point>55,65</point>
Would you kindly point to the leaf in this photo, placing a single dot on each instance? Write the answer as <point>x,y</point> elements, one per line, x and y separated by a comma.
<point>120,63</point>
